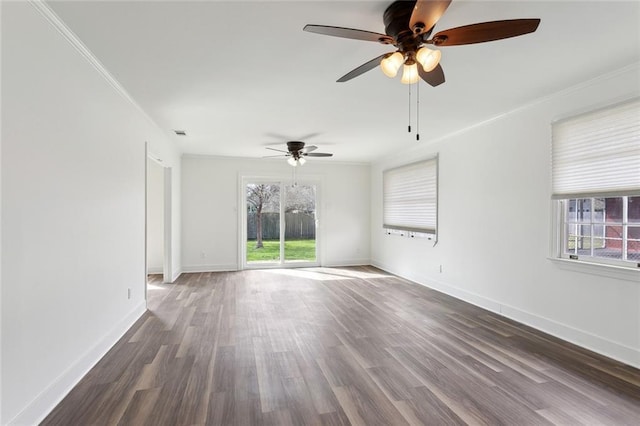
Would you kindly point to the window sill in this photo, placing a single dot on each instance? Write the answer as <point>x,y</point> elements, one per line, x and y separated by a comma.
<point>610,271</point>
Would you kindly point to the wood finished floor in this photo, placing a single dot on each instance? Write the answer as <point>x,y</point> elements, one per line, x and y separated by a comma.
<point>339,346</point>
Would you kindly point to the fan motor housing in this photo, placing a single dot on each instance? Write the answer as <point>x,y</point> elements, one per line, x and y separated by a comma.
<point>295,146</point>
<point>396,18</point>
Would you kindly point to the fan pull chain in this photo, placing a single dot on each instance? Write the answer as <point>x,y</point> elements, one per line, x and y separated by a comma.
<point>409,127</point>
<point>293,176</point>
<point>418,111</point>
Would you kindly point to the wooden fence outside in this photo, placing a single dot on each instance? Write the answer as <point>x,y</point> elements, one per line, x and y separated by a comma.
<point>297,226</point>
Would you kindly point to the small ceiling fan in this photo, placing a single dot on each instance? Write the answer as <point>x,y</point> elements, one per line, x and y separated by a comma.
<point>408,27</point>
<point>297,151</point>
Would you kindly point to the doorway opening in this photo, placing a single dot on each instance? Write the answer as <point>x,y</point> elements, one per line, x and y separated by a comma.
<point>158,219</point>
<point>280,226</point>
<point>155,220</point>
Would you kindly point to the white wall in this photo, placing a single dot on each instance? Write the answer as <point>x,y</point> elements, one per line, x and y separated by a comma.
<point>73,184</point>
<point>155,217</point>
<point>1,399</point>
<point>210,191</point>
<point>494,227</point>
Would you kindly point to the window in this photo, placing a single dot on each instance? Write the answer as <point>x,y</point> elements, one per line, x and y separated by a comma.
<point>410,199</point>
<point>596,185</point>
<point>603,228</point>
<point>280,222</point>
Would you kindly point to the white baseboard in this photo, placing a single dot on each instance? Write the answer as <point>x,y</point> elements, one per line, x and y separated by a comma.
<point>351,262</point>
<point>46,401</point>
<point>176,274</point>
<point>154,270</point>
<point>233,267</point>
<point>598,344</point>
<point>210,268</point>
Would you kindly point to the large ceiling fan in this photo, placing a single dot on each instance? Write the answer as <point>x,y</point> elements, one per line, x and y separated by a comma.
<point>408,27</point>
<point>297,151</point>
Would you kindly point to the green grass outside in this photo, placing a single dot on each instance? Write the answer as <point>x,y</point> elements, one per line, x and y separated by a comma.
<point>300,250</point>
<point>293,250</point>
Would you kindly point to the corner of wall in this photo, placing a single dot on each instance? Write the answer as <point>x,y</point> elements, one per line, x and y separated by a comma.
<point>485,273</point>
<point>44,392</point>
<point>554,328</point>
<point>176,274</point>
<point>46,401</point>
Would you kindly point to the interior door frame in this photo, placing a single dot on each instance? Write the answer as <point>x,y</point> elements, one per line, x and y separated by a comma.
<point>242,220</point>
<point>167,217</point>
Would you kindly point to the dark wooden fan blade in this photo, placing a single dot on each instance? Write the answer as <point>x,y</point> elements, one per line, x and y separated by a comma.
<point>348,33</point>
<point>434,77</point>
<point>277,136</point>
<point>279,150</point>
<point>308,136</point>
<point>367,66</point>
<point>281,137</point>
<point>309,148</point>
<point>317,154</point>
<point>485,31</point>
<point>426,13</point>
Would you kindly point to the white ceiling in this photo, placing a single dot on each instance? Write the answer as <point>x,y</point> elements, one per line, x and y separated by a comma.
<point>241,75</point>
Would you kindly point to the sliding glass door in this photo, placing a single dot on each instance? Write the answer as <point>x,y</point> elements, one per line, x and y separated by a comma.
<point>263,222</point>
<point>299,223</point>
<point>280,224</point>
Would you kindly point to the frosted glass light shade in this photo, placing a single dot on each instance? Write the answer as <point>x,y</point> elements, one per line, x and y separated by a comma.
<point>429,59</point>
<point>391,64</point>
<point>301,160</point>
<point>410,74</point>
<point>292,161</point>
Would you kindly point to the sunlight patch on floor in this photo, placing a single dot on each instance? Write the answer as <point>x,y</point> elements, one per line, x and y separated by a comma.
<point>326,274</point>
<point>155,286</point>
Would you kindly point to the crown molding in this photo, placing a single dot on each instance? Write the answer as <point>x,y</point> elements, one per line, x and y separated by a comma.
<point>537,101</point>
<point>57,23</point>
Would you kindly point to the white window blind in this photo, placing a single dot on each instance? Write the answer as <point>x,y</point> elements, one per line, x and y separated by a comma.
<point>410,197</point>
<point>598,153</point>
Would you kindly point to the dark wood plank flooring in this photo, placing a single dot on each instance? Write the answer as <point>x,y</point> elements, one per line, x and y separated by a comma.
<point>339,346</point>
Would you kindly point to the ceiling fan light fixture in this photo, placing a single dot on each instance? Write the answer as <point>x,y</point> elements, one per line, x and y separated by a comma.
<point>301,160</point>
<point>292,161</point>
<point>391,64</point>
<point>410,74</point>
<point>429,59</point>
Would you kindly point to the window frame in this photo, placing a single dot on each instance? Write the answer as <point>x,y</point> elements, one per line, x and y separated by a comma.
<point>244,178</point>
<point>592,125</point>
<point>408,230</point>
<point>624,223</point>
